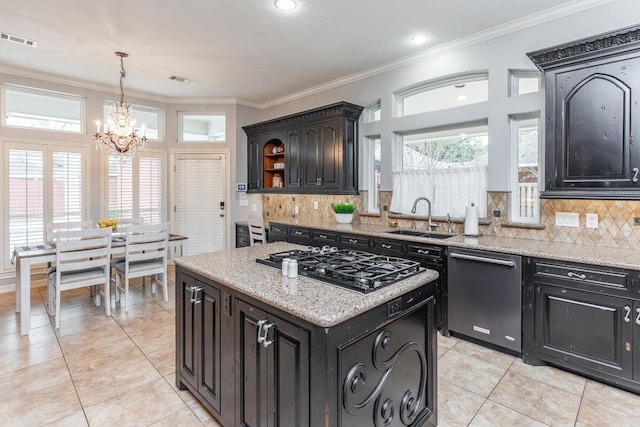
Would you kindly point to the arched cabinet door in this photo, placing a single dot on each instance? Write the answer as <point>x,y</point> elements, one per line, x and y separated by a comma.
<point>592,116</point>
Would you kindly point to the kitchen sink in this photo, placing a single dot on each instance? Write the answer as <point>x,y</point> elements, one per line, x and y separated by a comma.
<point>420,233</point>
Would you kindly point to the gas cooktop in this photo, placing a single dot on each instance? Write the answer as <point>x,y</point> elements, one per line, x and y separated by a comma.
<point>356,270</point>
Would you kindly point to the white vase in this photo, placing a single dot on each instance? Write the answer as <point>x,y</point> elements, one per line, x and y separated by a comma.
<point>343,218</point>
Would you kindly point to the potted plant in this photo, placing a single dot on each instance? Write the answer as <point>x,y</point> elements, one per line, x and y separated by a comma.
<point>343,211</point>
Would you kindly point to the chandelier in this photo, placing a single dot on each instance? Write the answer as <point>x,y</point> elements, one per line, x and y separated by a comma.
<point>119,134</point>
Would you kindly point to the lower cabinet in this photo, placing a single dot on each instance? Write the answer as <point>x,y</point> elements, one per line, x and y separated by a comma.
<point>199,343</point>
<point>273,370</point>
<point>252,365</point>
<point>583,318</point>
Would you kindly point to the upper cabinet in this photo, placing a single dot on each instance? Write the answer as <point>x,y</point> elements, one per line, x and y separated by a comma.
<point>310,152</point>
<point>592,95</point>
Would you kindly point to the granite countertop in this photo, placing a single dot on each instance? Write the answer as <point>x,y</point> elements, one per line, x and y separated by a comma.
<point>312,300</point>
<point>572,252</point>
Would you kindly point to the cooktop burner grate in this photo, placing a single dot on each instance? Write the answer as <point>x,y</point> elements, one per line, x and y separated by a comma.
<point>357,270</point>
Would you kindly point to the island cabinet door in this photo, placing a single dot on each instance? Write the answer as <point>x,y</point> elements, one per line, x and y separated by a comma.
<point>586,331</point>
<point>273,370</point>
<point>198,352</point>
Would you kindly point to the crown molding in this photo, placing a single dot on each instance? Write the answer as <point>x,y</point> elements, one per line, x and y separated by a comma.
<point>482,36</point>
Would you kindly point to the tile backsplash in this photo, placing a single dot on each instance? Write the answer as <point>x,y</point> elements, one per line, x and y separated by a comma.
<point>615,217</point>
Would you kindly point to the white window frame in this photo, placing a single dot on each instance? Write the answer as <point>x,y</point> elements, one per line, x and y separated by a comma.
<point>180,127</point>
<point>142,108</point>
<point>514,81</point>
<point>42,92</point>
<point>162,155</point>
<point>373,205</point>
<point>371,111</point>
<point>429,85</point>
<point>47,148</point>
<point>514,209</point>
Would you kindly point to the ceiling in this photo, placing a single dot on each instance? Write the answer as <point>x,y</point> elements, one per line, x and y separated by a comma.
<point>243,50</point>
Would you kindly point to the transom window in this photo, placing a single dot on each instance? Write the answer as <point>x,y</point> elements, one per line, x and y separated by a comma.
<point>151,118</point>
<point>523,82</point>
<point>443,94</point>
<point>201,127</point>
<point>373,112</point>
<point>44,110</point>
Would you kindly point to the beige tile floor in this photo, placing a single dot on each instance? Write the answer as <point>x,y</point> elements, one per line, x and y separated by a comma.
<point>115,371</point>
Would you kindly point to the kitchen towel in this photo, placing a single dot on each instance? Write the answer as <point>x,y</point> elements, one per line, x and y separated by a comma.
<point>471,220</point>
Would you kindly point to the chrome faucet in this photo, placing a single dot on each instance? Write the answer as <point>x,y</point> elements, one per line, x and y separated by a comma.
<point>413,210</point>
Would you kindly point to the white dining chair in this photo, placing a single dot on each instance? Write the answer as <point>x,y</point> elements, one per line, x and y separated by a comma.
<point>256,230</point>
<point>146,253</point>
<point>52,227</point>
<point>82,259</point>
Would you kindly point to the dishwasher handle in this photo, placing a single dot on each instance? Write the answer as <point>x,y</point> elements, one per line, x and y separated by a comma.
<point>482,259</point>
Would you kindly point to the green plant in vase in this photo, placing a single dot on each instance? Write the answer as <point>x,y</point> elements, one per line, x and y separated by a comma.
<point>344,212</point>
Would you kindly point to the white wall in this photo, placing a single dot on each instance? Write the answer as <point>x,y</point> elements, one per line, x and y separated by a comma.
<point>497,55</point>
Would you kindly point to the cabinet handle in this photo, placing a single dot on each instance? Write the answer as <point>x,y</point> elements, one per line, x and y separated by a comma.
<point>318,181</point>
<point>635,174</point>
<point>298,233</point>
<point>576,275</point>
<point>322,236</point>
<point>420,251</point>
<point>261,336</point>
<point>385,246</point>
<point>638,316</point>
<point>299,181</point>
<point>627,312</point>
<point>258,182</point>
<point>353,240</point>
<point>195,294</point>
<point>266,342</point>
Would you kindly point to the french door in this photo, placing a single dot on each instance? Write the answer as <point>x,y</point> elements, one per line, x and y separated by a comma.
<point>200,210</point>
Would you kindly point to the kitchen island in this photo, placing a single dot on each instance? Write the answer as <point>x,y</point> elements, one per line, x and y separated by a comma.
<point>257,348</point>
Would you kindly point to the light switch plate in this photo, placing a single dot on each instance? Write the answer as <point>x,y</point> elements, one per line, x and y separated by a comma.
<point>315,204</point>
<point>567,219</point>
<point>592,220</point>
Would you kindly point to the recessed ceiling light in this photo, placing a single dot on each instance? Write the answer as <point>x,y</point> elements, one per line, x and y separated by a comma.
<point>418,39</point>
<point>286,4</point>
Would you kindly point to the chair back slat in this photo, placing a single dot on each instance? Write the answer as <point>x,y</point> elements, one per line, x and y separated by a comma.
<point>52,227</point>
<point>82,249</point>
<point>147,242</point>
<point>256,230</point>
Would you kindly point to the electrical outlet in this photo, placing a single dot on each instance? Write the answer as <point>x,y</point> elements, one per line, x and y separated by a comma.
<point>296,210</point>
<point>385,208</point>
<point>254,208</point>
<point>567,219</point>
<point>636,221</point>
<point>496,214</point>
<point>315,204</point>
<point>592,220</point>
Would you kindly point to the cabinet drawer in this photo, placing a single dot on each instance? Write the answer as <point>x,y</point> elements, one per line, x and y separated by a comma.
<point>299,232</point>
<point>583,274</point>
<point>358,241</point>
<point>388,246</point>
<point>425,252</point>
<point>277,228</point>
<point>324,236</point>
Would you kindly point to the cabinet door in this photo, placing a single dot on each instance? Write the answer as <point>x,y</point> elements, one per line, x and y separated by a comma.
<point>252,379</point>
<point>187,325</point>
<point>210,339</point>
<point>323,150</point>
<point>255,163</point>
<point>636,341</point>
<point>293,174</point>
<point>593,140</point>
<point>273,377</point>
<point>589,332</point>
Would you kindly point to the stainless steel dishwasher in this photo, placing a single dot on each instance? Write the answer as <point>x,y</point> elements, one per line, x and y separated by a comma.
<point>485,296</point>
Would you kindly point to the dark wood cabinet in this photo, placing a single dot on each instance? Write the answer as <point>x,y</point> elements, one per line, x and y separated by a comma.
<point>583,318</point>
<point>242,235</point>
<point>320,153</point>
<point>273,370</point>
<point>592,97</point>
<point>199,344</point>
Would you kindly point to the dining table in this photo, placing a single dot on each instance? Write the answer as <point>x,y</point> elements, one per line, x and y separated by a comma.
<point>26,256</point>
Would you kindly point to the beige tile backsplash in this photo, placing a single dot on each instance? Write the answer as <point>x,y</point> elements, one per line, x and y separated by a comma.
<point>615,217</point>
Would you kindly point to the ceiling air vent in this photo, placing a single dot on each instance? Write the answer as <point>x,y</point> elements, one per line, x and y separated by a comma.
<point>180,79</point>
<point>17,39</point>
